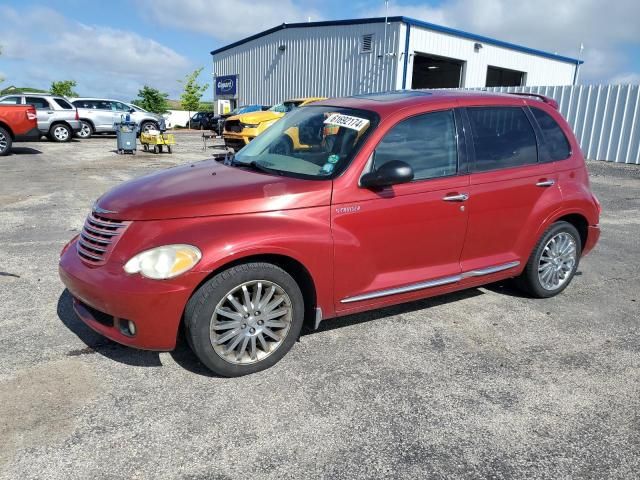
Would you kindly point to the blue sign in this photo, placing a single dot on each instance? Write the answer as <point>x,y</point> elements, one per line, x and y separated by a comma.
<point>226,86</point>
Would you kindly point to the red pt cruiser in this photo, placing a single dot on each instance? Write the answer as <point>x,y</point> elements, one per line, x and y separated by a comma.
<point>342,206</point>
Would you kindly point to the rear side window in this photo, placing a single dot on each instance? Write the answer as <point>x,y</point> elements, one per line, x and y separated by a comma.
<point>12,100</point>
<point>502,138</point>
<point>554,138</point>
<point>426,142</point>
<point>63,104</point>
<point>38,102</point>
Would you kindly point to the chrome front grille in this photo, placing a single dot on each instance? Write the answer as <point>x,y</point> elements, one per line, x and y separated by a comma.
<point>98,237</point>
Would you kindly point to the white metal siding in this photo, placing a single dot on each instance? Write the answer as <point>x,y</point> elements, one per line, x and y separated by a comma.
<point>539,70</point>
<point>318,61</point>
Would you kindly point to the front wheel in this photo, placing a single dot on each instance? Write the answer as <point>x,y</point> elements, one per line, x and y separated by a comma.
<point>146,127</point>
<point>60,133</point>
<point>5,142</point>
<point>553,263</point>
<point>245,319</point>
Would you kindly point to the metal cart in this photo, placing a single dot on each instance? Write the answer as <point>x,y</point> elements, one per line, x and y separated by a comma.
<point>158,141</point>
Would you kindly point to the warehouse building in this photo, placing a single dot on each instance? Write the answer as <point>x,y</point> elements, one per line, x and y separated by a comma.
<point>349,57</point>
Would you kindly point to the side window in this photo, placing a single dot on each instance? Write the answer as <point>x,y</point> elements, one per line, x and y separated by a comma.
<point>103,105</point>
<point>426,142</point>
<point>38,102</point>
<point>63,104</point>
<point>12,100</point>
<point>502,138</point>
<point>554,138</point>
<point>120,107</point>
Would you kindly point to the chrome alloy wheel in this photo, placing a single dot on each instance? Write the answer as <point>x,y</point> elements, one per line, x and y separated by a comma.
<point>251,322</point>
<point>61,133</point>
<point>148,126</point>
<point>557,261</point>
<point>85,130</point>
<point>4,143</point>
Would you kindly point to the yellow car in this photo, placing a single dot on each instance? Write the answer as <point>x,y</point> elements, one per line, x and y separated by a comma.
<point>241,129</point>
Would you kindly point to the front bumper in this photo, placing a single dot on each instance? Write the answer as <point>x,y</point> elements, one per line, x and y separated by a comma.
<point>105,299</point>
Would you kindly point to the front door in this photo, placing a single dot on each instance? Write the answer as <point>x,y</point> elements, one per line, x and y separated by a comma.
<point>44,111</point>
<point>405,239</point>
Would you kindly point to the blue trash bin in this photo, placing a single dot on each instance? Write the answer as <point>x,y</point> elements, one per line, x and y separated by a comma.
<point>126,133</point>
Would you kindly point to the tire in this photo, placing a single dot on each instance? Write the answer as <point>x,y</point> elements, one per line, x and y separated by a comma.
<point>60,133</point>
<point>156,149</point>
<point>5,142</point>
<point>86,130</point>
<point>146,126</point>
<point>256,339</point>
<point>553,262</point>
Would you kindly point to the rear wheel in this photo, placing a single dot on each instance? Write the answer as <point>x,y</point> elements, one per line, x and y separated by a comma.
<point>86,130</point>
<point>553,263</point>
<point>5,142</point>
<point>60,133</point>
<point>245,319</point>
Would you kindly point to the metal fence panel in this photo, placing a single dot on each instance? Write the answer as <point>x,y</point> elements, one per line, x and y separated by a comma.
<point>605,118</point>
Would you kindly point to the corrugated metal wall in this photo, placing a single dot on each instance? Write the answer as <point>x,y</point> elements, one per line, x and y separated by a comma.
<point>605,118</point>
<point>322,61</point>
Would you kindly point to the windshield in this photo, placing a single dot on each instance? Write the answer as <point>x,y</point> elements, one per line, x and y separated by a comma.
<point>285,107</point>
<point>310,142</point>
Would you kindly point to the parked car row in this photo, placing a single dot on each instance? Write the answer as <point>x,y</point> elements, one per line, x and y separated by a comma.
<point>60,118</point>
<point>242,127</point>
<point>215,123</point>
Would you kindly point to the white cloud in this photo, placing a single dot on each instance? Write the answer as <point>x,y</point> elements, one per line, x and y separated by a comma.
<point>625,78</point>
<point>104,61</point>
<point>226,20</point>
<point>545,24</point>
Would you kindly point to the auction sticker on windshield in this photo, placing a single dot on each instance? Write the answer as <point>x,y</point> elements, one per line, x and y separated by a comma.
<point>347,121</point>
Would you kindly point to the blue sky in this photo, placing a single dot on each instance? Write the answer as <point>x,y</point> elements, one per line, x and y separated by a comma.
<point>113,48</point>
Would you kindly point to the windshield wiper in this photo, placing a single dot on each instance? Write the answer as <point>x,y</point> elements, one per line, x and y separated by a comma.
<point>261,168</point>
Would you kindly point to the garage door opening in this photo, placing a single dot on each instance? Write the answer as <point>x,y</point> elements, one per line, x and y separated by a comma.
<point>503,77</point>
<point>430,71</point>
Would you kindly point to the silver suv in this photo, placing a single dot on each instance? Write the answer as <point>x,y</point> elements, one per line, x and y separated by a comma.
<point>97,115</point>
<point>57,118</point>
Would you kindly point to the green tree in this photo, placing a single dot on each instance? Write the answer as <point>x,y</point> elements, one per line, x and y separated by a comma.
<point>152,99</point>
<point>192,93</point>
<point>64,88</point>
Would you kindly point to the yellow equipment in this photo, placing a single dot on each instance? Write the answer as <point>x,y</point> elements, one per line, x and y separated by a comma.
<point>157,140</point>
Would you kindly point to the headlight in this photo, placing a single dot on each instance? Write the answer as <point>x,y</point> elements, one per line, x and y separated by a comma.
<point>164,262</point>
<point>250,125</point>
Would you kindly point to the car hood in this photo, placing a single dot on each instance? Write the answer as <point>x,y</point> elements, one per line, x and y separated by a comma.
<point>257,117</point>
<point>209,188</point>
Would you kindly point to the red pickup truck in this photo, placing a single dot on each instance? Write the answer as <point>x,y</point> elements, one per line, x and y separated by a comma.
<point>18,123</point>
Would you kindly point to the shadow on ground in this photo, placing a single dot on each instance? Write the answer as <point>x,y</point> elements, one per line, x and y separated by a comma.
<point>183,356</point>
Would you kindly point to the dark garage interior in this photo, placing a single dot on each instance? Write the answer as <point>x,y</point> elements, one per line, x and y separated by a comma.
<point>503,77</point>
<point>430,71</point>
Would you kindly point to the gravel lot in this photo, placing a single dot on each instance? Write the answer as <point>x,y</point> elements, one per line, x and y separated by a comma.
<point>478,384</point>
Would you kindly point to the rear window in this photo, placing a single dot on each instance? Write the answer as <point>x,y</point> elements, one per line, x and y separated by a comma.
<point>38,102</point>
<point>502,138</point>
<point>63,104</point>
<point>558,147</point>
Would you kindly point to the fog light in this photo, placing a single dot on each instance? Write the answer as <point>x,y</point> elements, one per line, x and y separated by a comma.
<point>132,328</point>
<point>127,327</point>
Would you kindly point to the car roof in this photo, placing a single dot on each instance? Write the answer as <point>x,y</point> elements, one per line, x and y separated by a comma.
<point>95,98</point>
<point>387,102</point>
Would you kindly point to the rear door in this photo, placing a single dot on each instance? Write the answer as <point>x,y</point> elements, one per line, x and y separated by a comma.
<point>511,191</point>
<point>44,111</point>
<point>405,238</point>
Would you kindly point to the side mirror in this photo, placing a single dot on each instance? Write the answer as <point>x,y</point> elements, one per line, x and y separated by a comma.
<point>391,173</point>
<point>131,110</point>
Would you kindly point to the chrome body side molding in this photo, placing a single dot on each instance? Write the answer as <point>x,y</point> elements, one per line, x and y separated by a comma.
<point>429,284</point>
<point>318,318</point>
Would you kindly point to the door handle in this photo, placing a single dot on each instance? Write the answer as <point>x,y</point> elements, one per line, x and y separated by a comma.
<point>458,197</point>
<point>546,183</point>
